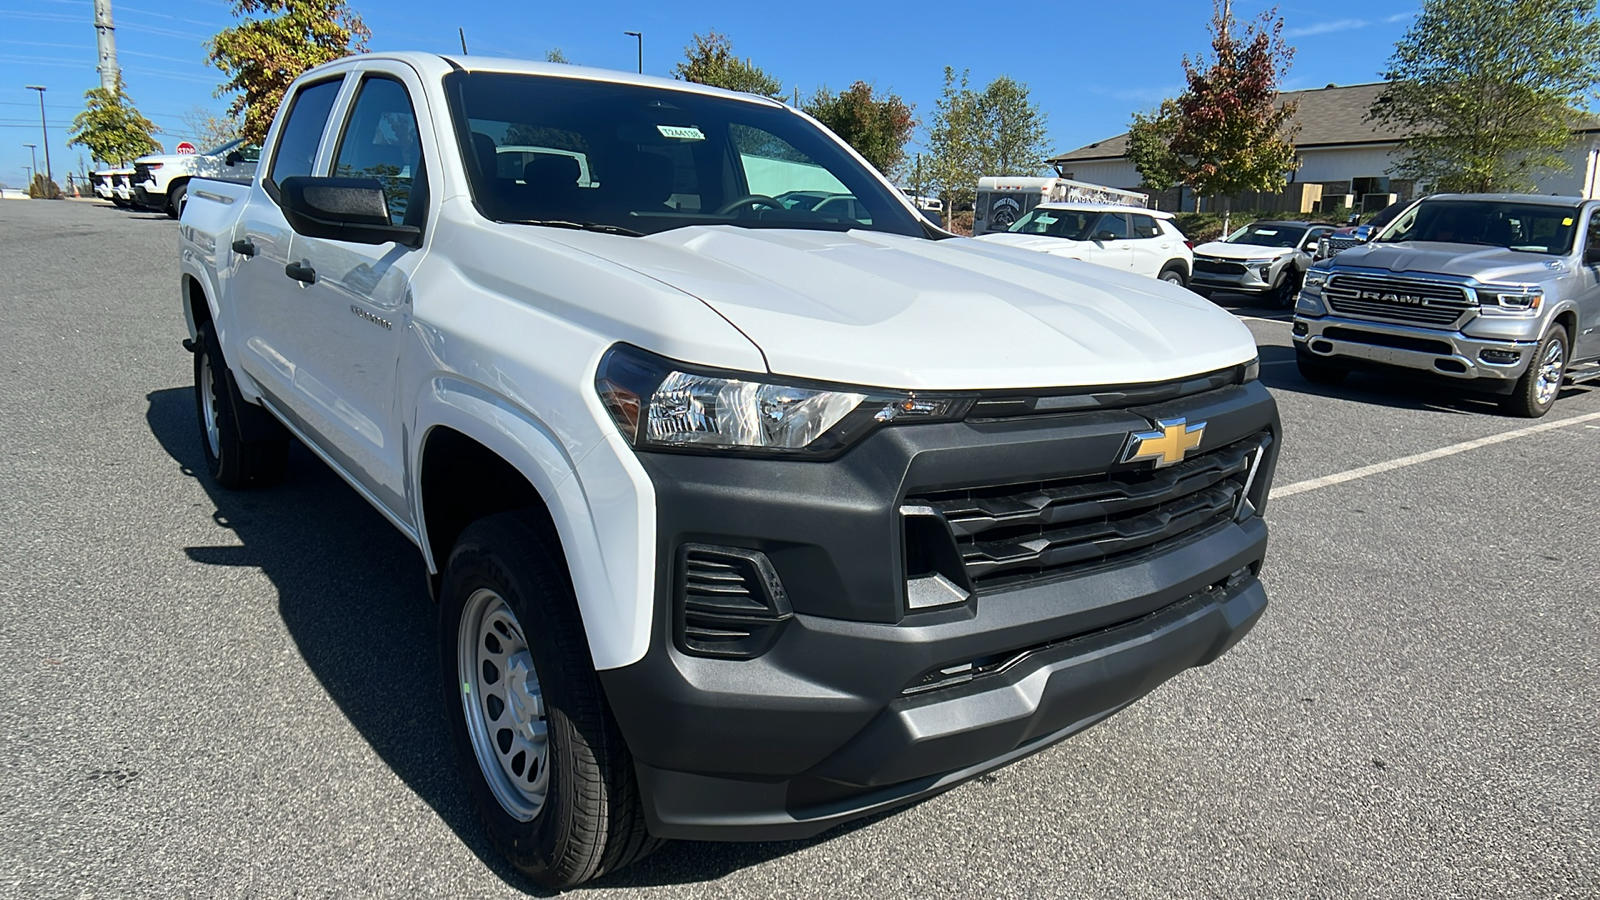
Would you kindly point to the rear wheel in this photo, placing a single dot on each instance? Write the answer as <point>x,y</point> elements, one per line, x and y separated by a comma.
<point>1537,389</point>
<point>1318,371</point>
<point>551,776</point>
<point>238,454</point>
<point>1173,274</point>
<point>177,199</point>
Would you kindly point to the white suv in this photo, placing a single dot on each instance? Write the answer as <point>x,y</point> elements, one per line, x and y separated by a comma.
<point>1130,238</point>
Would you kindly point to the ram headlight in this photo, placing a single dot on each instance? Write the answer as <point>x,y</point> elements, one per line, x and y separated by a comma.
<point>1516,301</point>
<point>1316,278</point>
<point>659,404</point>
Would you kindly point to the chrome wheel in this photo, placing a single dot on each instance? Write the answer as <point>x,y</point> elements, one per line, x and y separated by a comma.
<point>1551,367</point>
<point>503,705</point>
<point>208,405</point>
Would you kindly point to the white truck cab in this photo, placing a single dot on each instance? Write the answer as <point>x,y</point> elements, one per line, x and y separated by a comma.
<point>744,518</point>
<point>160,182</point>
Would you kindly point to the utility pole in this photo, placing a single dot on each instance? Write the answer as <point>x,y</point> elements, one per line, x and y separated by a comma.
<point>43,130</point>
<point>105,36</point>
<point>640,36</point>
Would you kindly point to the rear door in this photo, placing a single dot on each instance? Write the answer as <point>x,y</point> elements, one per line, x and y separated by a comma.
<point>354,317</point>
<point>261,297</point>
<point>1152,246</point>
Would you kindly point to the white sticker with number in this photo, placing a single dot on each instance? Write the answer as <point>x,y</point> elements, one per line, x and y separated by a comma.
<point>681,132</point>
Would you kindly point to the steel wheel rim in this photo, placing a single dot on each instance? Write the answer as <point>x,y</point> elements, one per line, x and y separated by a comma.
<point>1549,374</point>
<point>503,705</point>
<point>1172,278</point>
<point>208,406</point>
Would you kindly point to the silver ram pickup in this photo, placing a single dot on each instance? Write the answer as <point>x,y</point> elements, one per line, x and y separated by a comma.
<point>1495,292</point>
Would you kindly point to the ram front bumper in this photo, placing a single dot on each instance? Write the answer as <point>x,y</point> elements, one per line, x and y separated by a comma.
<point>1495,364</point>
<point>855,703</point>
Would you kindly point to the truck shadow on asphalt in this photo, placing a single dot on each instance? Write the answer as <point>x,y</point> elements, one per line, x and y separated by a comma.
<point>351,592</point>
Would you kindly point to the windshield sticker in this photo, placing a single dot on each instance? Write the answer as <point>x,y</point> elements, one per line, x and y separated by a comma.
<point>681,132</point>
<point>1266,232</point>
<point>1567,221</point>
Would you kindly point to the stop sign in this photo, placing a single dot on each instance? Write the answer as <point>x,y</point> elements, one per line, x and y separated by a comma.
<point>185,147</point>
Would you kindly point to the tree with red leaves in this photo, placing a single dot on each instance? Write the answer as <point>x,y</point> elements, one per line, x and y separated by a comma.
<point>1226,133</point>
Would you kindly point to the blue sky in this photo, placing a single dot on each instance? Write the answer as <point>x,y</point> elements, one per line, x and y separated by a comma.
<point>1090,65</point>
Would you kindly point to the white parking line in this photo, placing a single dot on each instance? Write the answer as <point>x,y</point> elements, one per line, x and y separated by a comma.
<point>1312,484</point>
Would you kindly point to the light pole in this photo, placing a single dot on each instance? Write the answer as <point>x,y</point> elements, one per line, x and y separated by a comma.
<point>639,35</point>
<point>44,131</point>
<point>34,159</point>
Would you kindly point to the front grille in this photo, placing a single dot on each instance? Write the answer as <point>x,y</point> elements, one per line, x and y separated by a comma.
<point>1412,301</point>
<point>141,174</point>
<point>1218,266</point>
<point>1009,535</point>
<point>1338,243</point>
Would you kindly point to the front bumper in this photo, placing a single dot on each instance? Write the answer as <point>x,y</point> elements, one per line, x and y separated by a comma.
<point>829,723</point>
<point>1249,281</point>
<point>1362,344</point>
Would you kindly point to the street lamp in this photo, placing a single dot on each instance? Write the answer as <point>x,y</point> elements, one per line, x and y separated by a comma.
<point>35,161</point>
<point>43,130</point>
<point>640,36</point>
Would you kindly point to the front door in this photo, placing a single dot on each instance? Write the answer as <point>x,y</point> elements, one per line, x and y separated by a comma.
<point>1586,343</point>
<point>355,314</point>
<point>1109,244</point>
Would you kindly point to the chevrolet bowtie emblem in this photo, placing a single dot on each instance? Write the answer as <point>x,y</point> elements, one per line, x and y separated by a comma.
<point>1167,446</point>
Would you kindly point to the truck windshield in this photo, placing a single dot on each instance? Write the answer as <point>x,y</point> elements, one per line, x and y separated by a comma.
<point>1268,235</point>
<point>1061,223</point>
<point>633,159</point>
<point>1529,227</point>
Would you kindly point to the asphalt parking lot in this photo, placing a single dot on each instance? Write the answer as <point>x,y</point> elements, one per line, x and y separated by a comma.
<point>214,694</point>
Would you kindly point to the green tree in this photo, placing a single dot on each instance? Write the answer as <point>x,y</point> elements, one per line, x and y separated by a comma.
<point>711,61</point>
<point>1226,133</point>
<point>209,129</point>
<point>555,55</point>
<point>261,57</point>
<point>877,128</point>
<point>111,129</point>
<point>1489,90</point>
<point>996,131</point>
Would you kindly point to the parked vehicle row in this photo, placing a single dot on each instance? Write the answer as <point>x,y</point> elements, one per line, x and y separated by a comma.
<point>745,517</point>
<point>160,182</point>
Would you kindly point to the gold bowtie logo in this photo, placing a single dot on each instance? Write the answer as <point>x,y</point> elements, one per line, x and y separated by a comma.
<point>1167,446</point>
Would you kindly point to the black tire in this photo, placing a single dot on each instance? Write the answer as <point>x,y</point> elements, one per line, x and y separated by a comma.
<point>1550,361</point>
<point>244,446</point>
<point>119,203</point>
<point>1173,274</point>
<point>1316,371</point>
<point>1286,290</point>
<point>176,198</point>
<point>590,820</point>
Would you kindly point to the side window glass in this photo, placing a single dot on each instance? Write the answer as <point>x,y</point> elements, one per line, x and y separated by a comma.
<point>302,131</point>
<point>1593,243</point>
<point>1145,227</point>
<point>381,142</point>
<point>1116,223</point>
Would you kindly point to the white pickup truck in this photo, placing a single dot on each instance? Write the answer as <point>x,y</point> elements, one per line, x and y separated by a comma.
<point>161,181</point>
<point>743,520</point>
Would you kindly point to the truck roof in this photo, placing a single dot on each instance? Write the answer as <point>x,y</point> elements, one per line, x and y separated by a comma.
<point>437,65</point>
<point>1538,199</point>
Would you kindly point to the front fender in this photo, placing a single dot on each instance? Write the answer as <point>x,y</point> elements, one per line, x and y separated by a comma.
<point>603,506</point>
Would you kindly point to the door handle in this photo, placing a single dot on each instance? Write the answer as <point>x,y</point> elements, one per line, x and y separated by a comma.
<point>244,248</point>
<point>300,273</point>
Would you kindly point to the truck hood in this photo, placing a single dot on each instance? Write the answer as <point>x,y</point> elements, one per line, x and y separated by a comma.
<point>1038,242</point>
<point>164,158</point>
<point>1487,264</point>
<point>1222,250</point>
<point>958,314</point>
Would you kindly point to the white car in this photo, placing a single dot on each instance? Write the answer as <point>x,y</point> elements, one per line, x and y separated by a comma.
<point>1130,238</point>
<point>115,185</point>
<point>1267,259</point>
<point>161,181</point>
<point>744,519</point>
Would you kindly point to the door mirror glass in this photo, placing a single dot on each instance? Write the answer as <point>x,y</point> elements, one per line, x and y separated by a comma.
<point>1104,236</point>
<point>343,209</point>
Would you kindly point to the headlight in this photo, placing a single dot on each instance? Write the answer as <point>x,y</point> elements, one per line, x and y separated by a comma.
<point>1316,278</point>
<point>659,404</point>
<point>1251,371</point>
<point>1510,301</point>
<point>1256,263</point>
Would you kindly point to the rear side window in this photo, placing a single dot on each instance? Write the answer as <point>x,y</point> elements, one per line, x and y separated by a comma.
<point>1145,227</point>
<point>381,142</point>
<point>302,131</point>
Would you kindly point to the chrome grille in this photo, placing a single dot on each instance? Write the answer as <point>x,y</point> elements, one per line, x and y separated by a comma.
<point>1412,301</point>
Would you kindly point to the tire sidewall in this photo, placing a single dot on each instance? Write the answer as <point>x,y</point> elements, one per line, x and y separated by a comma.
<point>535,844</point>
<point>1529,386</point>
<point>176,200</point>
<point>1173,275</point>
<point>217,464</point>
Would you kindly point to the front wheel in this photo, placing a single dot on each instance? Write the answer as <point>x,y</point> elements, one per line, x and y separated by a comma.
<point>1286,290</point>
<point>1537,388</point>
<point>177,199</point>
<point>552,779</point>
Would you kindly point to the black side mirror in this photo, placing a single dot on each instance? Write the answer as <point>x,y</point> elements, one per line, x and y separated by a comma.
<point>233,158</point>
<point>1104,236</point>
<point>343,209</point>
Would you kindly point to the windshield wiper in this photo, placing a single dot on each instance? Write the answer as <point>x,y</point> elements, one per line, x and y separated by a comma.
<point>580,226</point>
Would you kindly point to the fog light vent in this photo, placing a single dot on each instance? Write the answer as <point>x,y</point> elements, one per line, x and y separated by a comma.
<point>1500,357</point>
<point>729,602</point>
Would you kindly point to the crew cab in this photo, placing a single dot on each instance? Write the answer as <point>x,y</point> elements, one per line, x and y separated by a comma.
<point>1492,292</point>
<point>1133,239</point>
<point>743,519</point>
<point>161,181</point>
